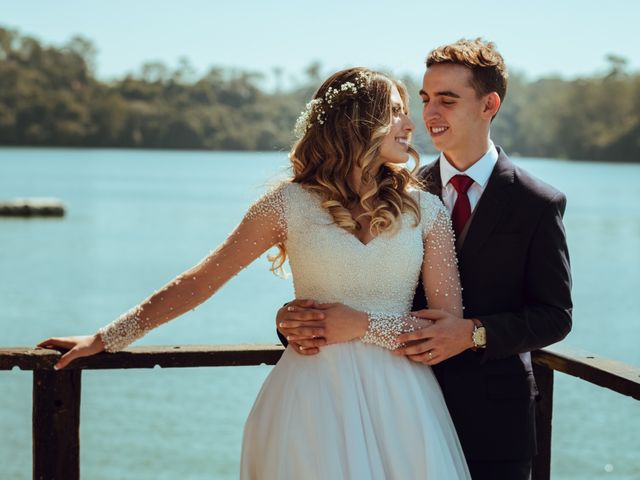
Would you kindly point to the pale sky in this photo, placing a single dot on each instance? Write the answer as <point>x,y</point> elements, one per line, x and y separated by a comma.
<point>564,37</point>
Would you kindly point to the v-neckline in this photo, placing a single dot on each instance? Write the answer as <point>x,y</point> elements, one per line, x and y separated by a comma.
<point>333,223</point>
<point>356,238</point>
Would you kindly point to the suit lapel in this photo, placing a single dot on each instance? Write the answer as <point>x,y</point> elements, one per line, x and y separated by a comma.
<point>430,176</point>
<point>492,205</point>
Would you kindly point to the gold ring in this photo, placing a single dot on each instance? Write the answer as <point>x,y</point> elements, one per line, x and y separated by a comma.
<point>430,355</point>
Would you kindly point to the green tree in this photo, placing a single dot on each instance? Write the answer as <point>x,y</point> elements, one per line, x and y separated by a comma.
<point>49,96</point>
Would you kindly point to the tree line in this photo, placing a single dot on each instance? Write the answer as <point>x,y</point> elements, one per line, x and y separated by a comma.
<point>50,96</point>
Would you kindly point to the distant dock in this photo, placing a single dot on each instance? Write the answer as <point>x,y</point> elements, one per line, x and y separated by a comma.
<point>32,207</point>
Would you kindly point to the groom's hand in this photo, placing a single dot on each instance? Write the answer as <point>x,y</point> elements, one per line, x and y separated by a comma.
<point>301,324</point>
<point>448,336</point>
<point>309,325</point>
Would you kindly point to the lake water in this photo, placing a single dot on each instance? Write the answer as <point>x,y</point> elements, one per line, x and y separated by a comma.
<point>138,218</point>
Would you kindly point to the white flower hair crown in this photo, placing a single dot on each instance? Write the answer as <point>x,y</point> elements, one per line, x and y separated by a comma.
<point>315,109</point>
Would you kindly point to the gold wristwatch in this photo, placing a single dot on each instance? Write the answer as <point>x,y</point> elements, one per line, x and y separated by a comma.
<point>479,334</point>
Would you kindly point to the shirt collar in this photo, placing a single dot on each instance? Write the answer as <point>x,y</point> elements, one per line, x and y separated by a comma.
<point>479,171</point>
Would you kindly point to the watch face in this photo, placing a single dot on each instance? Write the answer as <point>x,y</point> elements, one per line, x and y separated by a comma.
<point>480,336</point>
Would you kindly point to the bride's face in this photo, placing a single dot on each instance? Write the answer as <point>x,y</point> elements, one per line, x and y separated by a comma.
<point>395,146</point>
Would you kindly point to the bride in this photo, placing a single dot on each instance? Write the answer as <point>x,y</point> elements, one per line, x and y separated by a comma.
<point>356,230</point>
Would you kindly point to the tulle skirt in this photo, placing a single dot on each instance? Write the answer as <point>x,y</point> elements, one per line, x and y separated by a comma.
<point>354,411</point>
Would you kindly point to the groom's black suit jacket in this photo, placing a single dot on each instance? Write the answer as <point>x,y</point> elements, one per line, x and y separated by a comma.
<point>514,268</point>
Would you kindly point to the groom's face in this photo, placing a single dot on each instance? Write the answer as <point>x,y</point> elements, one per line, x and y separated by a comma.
<point>452,110</point>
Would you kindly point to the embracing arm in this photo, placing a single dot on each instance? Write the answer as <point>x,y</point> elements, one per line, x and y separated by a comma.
<point>546,316</point>
<point>262,227</point>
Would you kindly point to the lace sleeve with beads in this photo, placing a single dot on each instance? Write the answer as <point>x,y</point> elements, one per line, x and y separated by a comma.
<point>263,226</point>
<point>439,274</point>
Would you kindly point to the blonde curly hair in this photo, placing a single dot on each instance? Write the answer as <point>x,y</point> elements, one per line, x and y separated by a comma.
<point>347,135</point>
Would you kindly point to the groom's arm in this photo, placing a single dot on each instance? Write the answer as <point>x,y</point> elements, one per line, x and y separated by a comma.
<point>546,315</point>
<point>299,323</point>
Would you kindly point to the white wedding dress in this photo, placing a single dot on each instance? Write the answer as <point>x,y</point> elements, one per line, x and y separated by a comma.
<point>355,411</point>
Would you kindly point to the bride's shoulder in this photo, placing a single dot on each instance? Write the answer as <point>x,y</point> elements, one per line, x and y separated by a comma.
<point>426,200</point>
<point>282,194</point>
<point>286,186</point>
<point>279,190</point>
<point>430,207</point>
<point>294,192</point>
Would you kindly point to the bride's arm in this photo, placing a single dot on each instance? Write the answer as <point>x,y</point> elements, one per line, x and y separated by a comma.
<point>451,333</point>
<point>440,276</point>
<point>262,227</point>
<point>440,279</point>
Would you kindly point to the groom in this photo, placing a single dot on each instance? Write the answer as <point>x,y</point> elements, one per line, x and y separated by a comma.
<point>514,268</point>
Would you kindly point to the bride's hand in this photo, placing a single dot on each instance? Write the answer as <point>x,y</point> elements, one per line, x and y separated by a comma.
<point>78,347</point>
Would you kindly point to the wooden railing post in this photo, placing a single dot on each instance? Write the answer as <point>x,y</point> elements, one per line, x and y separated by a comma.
<point>56,424</point>
<point>542,461</point>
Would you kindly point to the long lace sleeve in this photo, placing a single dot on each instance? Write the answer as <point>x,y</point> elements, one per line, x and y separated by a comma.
<point>263,226</point>
<point>384,328</point>
<point>439,275</point>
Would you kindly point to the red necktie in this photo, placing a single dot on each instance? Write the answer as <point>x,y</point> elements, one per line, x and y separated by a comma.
<point>462,208</point>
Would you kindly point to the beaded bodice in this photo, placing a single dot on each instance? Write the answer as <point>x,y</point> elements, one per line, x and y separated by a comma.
<point>330,264</point>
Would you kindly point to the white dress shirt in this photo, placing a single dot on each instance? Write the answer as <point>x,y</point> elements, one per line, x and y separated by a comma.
<point>479,173</point>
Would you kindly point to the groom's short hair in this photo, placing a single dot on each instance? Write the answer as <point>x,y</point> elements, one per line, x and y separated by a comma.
<point>487,65</point>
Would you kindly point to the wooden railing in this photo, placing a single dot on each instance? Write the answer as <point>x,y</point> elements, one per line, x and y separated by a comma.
<point>56,394</point>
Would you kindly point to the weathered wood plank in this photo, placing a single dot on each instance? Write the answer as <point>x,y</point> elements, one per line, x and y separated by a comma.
<point>604,372</point>
<point>147,357</point>
<point>544,414</point>
<point>617,376</point>
<point>56,425</point>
